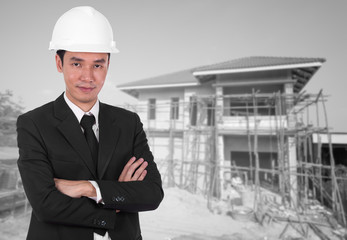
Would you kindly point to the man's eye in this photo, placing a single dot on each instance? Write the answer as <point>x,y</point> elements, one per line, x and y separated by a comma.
<point>76,64</point>
<point>97,66</point>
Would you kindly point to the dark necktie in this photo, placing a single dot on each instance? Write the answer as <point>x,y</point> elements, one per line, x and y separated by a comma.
<point>87,123</point>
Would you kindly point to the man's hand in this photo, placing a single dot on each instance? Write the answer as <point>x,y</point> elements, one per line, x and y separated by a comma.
<point>75,189</point>
<point>134,171</point>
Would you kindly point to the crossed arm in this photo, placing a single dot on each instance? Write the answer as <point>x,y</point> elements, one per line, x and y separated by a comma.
<point>60,201</point>
<point>132,171</point>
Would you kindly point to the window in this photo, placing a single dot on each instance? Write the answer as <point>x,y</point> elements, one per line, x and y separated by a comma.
<point>151,108</point>
<point>210,113</point>
<point>263,107</point>
<point>193,110</point>
<point>174,108</point>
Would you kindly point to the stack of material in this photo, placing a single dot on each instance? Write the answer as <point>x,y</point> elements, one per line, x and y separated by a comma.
<point>312,217</point>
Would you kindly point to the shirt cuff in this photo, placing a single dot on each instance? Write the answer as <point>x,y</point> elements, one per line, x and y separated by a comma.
<point>98,198</point>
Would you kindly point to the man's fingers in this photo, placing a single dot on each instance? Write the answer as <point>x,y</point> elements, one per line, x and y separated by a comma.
<point>134,170</point>
<point>139,171</point>
<point>143,175</point>
<point>130,162</point>
<point>133,167</point>
<point>126,169</point>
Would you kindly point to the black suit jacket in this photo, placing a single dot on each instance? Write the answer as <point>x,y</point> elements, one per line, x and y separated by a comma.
<point>52,145</point>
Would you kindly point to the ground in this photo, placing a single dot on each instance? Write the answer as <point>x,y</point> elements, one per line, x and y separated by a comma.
<point>182,216</point>
<point>185,216</point>
<point>8,153</point>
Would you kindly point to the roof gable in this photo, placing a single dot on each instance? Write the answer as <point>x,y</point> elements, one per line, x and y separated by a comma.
<point>258,63</point>
<point>302,70</point>
<point>179,79</point>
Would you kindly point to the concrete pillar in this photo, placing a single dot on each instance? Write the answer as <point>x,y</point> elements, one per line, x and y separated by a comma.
<point>289,104</point>
<point>292,158</point>
<point>187,139</point>
<point>219,105</point>
<point>292,154</point>
<point>221,157</point>
<point>219,139</point>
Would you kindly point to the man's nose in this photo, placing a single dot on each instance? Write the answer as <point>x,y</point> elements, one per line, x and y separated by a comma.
<point>87,74</point>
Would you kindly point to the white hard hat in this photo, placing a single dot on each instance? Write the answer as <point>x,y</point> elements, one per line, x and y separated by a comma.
<point>83,29</point>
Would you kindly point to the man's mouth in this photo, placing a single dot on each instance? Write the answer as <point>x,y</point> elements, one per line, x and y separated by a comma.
<point>86,89</point>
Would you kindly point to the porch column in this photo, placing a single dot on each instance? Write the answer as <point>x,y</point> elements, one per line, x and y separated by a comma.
<point>219,139</point>
<point>292,154</point>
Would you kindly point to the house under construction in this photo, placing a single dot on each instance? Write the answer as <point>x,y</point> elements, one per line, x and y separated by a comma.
<point>247,117</point>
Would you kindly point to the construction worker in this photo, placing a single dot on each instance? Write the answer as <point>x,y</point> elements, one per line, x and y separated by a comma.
<point>86,166</point>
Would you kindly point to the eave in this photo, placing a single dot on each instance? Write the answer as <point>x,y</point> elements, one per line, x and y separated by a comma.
<point>256,69</point>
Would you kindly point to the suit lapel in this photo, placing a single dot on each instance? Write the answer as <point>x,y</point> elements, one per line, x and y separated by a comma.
<point>70,128</point>
<point>109,134</point>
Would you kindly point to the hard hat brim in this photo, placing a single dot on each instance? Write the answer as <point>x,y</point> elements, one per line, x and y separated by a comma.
<point>95,48</point>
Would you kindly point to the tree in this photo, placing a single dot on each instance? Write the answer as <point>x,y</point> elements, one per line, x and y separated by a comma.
<point>9,111</point>
<point>8,108</point>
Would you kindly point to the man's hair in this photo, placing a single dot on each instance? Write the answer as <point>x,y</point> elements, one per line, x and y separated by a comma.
<point>61,54</point>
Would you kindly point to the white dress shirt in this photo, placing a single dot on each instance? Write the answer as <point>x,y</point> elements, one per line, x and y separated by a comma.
<point>79,114</point>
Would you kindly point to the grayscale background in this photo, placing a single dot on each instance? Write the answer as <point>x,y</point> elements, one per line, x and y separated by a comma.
<point>157,37</point>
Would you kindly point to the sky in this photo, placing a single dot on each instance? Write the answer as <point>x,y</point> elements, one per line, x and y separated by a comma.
<point>157,37</point>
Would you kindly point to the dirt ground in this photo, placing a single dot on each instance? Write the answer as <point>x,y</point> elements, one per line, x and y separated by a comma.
<point>184,216</point>
<point>14,228</point>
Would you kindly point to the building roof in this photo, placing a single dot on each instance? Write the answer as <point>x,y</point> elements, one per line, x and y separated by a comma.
<point>179,79</point>
<point>258,63</point>
<point>302,71</point>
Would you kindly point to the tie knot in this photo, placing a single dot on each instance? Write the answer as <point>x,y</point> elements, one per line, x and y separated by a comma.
<point>87,121</point>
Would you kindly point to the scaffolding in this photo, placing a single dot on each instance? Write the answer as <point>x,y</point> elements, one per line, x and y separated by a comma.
<point>189,139</point>
<point>195,136</point>
<point>13,201</point>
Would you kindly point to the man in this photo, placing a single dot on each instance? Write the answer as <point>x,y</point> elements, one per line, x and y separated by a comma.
<point>74,152</point>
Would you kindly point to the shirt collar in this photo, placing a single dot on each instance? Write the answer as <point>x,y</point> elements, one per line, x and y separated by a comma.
<point>79,112</point>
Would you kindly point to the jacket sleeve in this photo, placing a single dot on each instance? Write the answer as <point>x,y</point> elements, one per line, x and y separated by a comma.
<point>135,196</point>
<point>48,204</point>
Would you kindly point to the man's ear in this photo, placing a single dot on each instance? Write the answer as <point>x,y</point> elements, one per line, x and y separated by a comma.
<point>58,63</point>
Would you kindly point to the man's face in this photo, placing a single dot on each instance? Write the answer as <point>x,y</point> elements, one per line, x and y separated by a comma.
<point>84,75</point>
